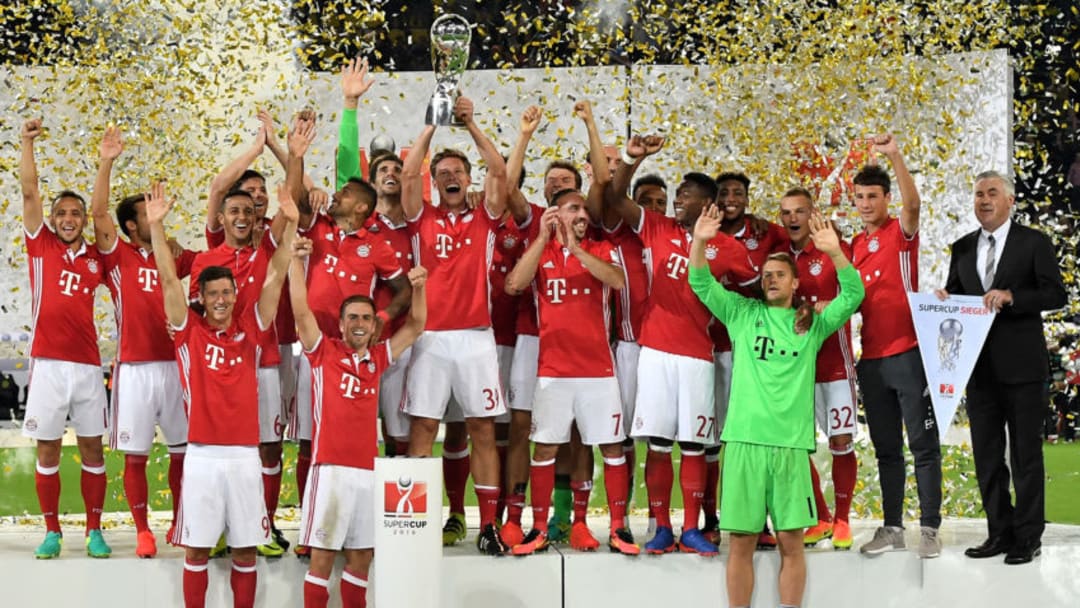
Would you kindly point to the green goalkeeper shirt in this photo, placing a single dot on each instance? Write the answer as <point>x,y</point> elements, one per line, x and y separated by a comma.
<point>772,384</point>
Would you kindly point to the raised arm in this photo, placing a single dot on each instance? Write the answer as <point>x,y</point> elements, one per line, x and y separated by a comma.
<point>601,181</point>
<point>412,171</point>
<point>172,290</point>
<point>495,189</point>
<point>615,196</point>
<point>851,287</point>
<point>414,326</point>
<point>104,226</point>
<point>306,326</point>
<point>224,180</point>
<point>515,164</point>
<point>33,211</point>
<point>719,300</point>
<point>354,83</point>
<point>608,273</point>
<point>299,140</point>
<point>270,295</point>
<point>524,270</point>
<point>909,194</point>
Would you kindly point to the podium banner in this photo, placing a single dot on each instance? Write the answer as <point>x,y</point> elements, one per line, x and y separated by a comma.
<point>951,335</point>
<point>408,531</point>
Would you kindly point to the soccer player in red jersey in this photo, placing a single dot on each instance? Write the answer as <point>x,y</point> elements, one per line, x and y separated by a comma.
<point>572,277</point>
<point>146,382</point>
<point>456,356</point>
<point>675,399</point>
<point>834,384</point>
<point>65,365</point>
<point>890,371</point>
<point>337,513</point>
<point>218,354</point>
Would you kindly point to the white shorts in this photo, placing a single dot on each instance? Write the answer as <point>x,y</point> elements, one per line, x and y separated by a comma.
<point>675,398</point>
<point>222,491</point>
<point>593,403</point>
<point>461,363</point>
<point>62,389</point>
<point>288,371</point>
<point>834,407</point>
<point>145,394</point>
<point>300,424</point>
<point>271,420</point>
<point>626,370</point>
<point>338,505</point>
<point>722,387</point>
<point>391,389</point>
<point>523,372</point>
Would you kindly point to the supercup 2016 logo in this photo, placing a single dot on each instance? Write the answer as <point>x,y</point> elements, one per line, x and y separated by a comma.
<point>405,507</point>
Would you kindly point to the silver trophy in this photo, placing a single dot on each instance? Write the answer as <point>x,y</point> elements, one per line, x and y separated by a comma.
<point>450,37</point>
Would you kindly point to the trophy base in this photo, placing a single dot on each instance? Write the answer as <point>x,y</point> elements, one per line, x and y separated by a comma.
<point>440,112</point>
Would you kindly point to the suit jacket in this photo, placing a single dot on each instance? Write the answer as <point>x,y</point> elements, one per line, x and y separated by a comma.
<point>1015,348</point>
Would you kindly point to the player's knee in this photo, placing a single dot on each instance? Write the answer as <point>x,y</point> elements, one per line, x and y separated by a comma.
<point>841,445</point>
<point>544,452</point>
<point>612,451</point>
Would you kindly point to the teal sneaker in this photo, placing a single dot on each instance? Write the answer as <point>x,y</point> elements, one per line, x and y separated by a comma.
<point>558,530</point>
<point>50,547</point>
<point>96,546</point>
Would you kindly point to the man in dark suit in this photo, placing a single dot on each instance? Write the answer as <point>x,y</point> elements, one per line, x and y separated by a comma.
<point>1016,271</point>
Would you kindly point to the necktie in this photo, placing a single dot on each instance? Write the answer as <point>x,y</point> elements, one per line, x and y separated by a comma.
<point>988,269</point>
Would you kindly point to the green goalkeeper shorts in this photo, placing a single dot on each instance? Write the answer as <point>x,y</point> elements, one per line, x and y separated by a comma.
<point>764,479</point>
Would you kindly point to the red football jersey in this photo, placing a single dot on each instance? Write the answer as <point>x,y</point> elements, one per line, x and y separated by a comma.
<point>526,323</point>
<point>363,257</point>
<point>397,236</point>
<point>345,402</point>
<point>817,282</point>
<point>324,290</point>
<point>675,320</point>
<point>574,310</point>
<point>630,300</point>
<point>509,245</point>
<point>137,301</point>
<point>217,373</point>
<point>457,252</point>
<point>249,268</point>
<point>888,262</point>
<point>62,285</point>
<point>758,247</point>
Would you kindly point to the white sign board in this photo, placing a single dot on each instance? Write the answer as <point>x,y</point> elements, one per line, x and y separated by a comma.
<point>408,531</point>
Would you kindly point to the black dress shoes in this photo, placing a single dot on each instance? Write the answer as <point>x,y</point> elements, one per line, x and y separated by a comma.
<point>993,546</point>
<point>1023,552</point>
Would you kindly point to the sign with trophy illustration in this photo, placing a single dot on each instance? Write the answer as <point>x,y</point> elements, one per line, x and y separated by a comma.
<point>450,38</point>
<point>951,334</point>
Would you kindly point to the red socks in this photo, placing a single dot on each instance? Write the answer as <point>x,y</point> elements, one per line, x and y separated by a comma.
<point>487,497</point>
<point>93,493</point>
<point>692,483</point>
<point>515,505</point>
<point>271,477</point>
<point>176,476</point>
<point>844,473</point>
<point>47,482</point>
<point>819,496</point>
<point>615,485</point>
<point>196,580</point>
<point>581,491</point>
<point>659,477</point>
<point>135,488</point>
<point>542,478</point>
<point>455,474</point>
<point>243,580</point>
<point>353,590</point>
<point>316,591</point>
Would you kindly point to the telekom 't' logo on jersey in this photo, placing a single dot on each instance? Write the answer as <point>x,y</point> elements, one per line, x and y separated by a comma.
<point>69,282</point>
<point>677,265</point>
<point>350,385</point>
<point>215,356</point>
<point>443,244</point>
<point>556,289</point>
<point>405,498</point>
<point>148,279</point>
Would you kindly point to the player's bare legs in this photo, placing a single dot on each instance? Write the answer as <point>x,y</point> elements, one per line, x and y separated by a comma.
<point>353,580</point>
<point>740,569</point>
<point>581,483</point>
<point>422,432</point>
<point>517,475</point>
<point>792,566</point>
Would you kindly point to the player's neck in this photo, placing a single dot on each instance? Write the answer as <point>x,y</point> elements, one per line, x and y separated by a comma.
<point>76,245</point>
<point>733,227</point>
<point>390,206</point>
<point>236,243</point>
<point>872,227</point>
<point>141,244</point>
<point>800,244</point>
<point>219,325</point>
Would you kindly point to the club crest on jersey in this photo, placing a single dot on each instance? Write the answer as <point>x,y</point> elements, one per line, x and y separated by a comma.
<point>371,367</point>
<point>363,250</point>
<point>751,243</point>
<point>710,252</point>
<point>873,245</point>
<point>91,265</point>
<point>509,242</point>
<point>815,267</point>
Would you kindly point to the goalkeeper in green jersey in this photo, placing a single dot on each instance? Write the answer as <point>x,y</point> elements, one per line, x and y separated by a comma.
<point>770,423</point>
